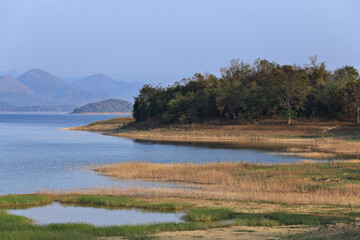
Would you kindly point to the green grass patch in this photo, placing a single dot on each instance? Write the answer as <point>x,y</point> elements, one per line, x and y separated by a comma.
<point>254,220</point>
<point>260,219</point>
<point>209,214</point>
<point>23,200</point>
<point>114,201</point>
<point>302,219</point>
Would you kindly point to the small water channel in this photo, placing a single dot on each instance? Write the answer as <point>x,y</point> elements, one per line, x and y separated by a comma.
<point>58,213</point>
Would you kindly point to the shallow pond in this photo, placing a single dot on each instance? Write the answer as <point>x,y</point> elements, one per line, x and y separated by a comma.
<point>57,213</point>
<point>36,154</point>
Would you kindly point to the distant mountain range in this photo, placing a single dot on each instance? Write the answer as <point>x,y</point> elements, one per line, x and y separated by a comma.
<point>105,84</point>
<point>37,90</point>
<point>106,106</point>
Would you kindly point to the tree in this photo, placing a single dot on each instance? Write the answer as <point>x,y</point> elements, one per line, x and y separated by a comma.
<point>149,103</point>
<point>231,98</point>
<point>352,98</point>
<point>232,93</point>
<point>291,85</point>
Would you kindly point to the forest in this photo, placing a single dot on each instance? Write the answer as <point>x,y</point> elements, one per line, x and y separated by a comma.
<point>246,92</point>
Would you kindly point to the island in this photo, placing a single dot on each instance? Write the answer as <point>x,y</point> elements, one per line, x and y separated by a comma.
<point>107,106</point>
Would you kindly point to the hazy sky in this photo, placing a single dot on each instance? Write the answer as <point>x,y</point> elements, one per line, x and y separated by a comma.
<point>170,37</point>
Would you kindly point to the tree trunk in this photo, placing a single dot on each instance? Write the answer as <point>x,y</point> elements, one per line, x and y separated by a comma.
<point>289,121</point>
<point>358,115</point>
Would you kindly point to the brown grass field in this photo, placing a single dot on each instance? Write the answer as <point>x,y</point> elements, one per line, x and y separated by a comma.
<point>301,183</point>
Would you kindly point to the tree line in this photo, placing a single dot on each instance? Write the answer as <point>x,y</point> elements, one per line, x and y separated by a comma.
<point>246,92</point>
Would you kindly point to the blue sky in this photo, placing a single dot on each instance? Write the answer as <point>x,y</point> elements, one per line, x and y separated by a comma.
<point>173,38</point>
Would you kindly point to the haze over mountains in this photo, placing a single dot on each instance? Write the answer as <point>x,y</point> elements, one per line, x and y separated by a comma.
<point>37,90</point>
<point>103,83</point>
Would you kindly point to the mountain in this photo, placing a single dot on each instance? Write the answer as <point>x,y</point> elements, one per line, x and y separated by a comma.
<point>103,83</point>
<point>57,91</point>
<point>11,85</point>
<point>15,93</point>
<point>106,106</point>
<point>41,82</point>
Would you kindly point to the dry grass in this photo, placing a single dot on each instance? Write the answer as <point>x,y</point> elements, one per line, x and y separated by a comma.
<point>305,183</point>
<point>304,135</point>
<point>105,125</point>
<point>313,155</point>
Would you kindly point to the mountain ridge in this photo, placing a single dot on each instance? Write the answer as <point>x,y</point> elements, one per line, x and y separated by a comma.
<point>38,89</point>
<point>9,84</point>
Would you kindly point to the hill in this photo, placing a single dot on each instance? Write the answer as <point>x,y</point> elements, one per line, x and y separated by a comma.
<point>103,83</point>
<point>15,93</point>
<point>11,85</point>
<point>107,106</point>
<point>57,91</point>
<point>41,82</point>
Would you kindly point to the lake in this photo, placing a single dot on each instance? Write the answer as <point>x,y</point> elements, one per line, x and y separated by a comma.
<point>36,154</point>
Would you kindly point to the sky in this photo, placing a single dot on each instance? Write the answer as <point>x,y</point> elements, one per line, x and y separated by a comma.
<point>174,38</point>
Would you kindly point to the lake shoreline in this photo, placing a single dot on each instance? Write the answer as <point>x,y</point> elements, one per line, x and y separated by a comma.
<point>317,140</point>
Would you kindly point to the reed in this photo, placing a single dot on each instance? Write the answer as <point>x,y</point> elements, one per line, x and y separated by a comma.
<point>112,201</point>
<point>306,182</point>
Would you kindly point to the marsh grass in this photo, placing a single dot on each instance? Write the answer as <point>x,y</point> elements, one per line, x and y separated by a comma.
<point>206,214</point>
<point>24,200</point>
<point>19,230</point>
<point>16,227</point>
<point>113,201</point>
<point>261,219</point>
<point>306,183</point>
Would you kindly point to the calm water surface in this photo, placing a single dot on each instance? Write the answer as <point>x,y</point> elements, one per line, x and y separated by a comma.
<point>57,213</point>
<point>36,154</point>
